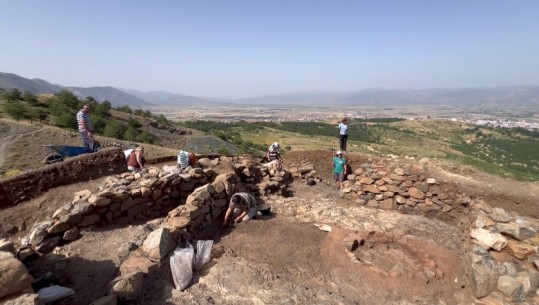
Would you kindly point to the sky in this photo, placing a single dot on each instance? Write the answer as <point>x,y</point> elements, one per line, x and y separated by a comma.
<point>234,49</point>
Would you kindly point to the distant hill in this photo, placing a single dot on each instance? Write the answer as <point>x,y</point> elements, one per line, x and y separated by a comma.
<point>502,97</point>
<point>116,97</point>
<point>11,81</point>
<point>168,99</point>
<point>497,97</point>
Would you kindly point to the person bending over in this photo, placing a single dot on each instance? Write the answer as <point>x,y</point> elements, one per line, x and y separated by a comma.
<point>242,207</point>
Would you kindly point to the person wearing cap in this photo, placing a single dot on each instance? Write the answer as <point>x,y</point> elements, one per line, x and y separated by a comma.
<point>339,169</point>
<point>343,133</point>
<point>136,160</point>
<point>85,128</point>
<point>273,152</point>
<point>242,207</point>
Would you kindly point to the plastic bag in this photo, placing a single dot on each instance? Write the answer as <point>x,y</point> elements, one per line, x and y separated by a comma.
<point>203,253</point>
<point>181,264</point>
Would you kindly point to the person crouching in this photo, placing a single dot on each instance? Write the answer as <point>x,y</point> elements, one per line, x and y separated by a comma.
<point>242,207</point>
<point>136,160</point>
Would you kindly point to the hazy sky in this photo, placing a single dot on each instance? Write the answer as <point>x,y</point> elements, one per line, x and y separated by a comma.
<point>250,48</point>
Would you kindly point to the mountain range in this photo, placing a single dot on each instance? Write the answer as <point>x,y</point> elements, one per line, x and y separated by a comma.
<point>497,97</point>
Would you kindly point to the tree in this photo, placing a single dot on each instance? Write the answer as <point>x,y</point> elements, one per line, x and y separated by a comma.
<point>102,109</point>
<point>14,96</point>
<point>69,99</point>
<point>130,134</point>
<point>30,98</point>
<point>125,108</point>
<point>133,123</point>
<point>16,110</point>
<point>66,120</point>
<point>114,129</point>
<point>38,114</point>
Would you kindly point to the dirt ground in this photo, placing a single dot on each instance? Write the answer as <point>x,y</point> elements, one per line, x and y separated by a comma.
<point>272,261</point>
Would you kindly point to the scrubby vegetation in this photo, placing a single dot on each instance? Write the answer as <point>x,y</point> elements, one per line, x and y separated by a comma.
<point>60,110</point>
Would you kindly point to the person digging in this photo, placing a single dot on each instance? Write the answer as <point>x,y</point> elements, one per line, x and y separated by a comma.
<point>242,207</point>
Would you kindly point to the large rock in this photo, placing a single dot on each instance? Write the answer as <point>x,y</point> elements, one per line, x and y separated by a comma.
<point>520,250</point>
<point>494,240</point>
<point>484,275</point>
<point>136,263</point>
<point>158,244</point>
<point>39,232</point>
<point>482,221</point>
<point>511,288</point>
<point>500,215</point>
<point>14,276</point>
<point>509,229</point>
<point>529,280</point>
<point>23,299</point>
<point>127,286</point>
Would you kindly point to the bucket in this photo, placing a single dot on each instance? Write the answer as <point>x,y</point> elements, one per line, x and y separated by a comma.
<point>265,209</point>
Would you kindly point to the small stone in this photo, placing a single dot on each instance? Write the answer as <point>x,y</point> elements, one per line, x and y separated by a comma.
<point>399,171</point>
<point>386,204</point>
<point>482,221</point>
<point>431,181</point>
<point>416,193</point>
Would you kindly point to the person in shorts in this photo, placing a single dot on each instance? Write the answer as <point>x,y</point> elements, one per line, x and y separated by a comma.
<point>242,207</point>
<point>339,169</point>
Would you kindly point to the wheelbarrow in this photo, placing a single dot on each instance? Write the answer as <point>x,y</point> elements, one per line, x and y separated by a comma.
<point>60,152</point>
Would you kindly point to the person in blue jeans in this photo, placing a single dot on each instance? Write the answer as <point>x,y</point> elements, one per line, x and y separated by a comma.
<point>339,169</point>
<point>343,133</point>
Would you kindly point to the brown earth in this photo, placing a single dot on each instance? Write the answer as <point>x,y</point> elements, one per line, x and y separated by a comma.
<point>277,260</point>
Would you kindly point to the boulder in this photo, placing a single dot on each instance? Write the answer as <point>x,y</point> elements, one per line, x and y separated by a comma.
<point>399,171</point>
<point>366,180</point>
<point>39,232</point>
<point>529,280</point>
<point>127,286</point>
<point>500,215</point>
<point>23,299</point>
<point>386,204</point>
<point>520,250</point>
<point>158,244</point>
<point>484,275</point>
<point>136,264</point>
<point>509,229</point>
<point>494,240</point>
<point>14,276</point>
<point>371,189</point>
<point>89,220</point>
<point>482,221</point>
<point>48,244</point>
<point>511,288</point>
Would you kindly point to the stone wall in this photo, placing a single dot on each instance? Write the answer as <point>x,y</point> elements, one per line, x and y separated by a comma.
<point>190,199</point>
<point>76,169</point>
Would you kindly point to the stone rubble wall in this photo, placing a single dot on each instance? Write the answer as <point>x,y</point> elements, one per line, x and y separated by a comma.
<point>190,199</point>
<point>15,281</point>
<point>502,249</point>
<point>75,169</point>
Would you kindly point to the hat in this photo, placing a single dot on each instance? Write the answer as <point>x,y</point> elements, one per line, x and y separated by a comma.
<point>339,152</point>
<point>276,144</point>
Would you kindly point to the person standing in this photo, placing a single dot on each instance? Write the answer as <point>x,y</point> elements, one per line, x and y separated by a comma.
<point>343,134</point>
<point>339,169</point>
<point>85,128</point>
<point>242,207</point>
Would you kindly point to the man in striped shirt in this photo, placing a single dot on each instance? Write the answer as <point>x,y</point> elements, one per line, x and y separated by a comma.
<point>85,128</point>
